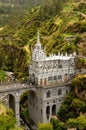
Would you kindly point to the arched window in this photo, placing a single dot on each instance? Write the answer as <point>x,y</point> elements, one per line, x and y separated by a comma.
<point>67,91</point>
<point>50,78</point>
<point>65,74</point>
<point>58,61</point>
<point>48,94</point>
<point>48,111</point>
<point>59,92</point>
<point>33,79</point>
<point>45,81</point>
<point>54,110</point>
<point>65,77</point>
<point>36,81</point>
<point>55,77</point>
<point>40,81</point>
<point>59,76</point>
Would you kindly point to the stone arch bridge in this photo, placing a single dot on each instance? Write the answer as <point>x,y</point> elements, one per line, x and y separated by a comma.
<point>15,90</point>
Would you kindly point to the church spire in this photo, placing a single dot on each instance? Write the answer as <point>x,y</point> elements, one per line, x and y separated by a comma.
<point>38,38</point>
<point>38,43</point>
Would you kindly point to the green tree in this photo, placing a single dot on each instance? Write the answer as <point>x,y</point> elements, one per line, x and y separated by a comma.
<point>80,82</point>
<point>57,125</point>
<point>80,63</point>
<point>10,112</point>
<point>77,104</point>
<point>47,126</point>
<point>7,122</point>
<point>81,120</point>
<point>7,119</point>
<point>72,123</point>
<point>65,112</point>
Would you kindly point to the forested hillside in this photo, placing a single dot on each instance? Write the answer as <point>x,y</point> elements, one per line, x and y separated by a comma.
<point>62,26</point>
<point>16,8</point>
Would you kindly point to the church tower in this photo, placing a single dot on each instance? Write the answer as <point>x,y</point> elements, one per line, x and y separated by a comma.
<point>38,56</point>
<point>38,53</point>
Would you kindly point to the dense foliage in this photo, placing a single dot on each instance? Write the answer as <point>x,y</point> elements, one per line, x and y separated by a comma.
<point>79,123</point>
<point>57,125</point>
<point>80,82</point>
<point>46,126</point>
<point>80,63</point>
<point>73,108</point>
<point>7,119</point>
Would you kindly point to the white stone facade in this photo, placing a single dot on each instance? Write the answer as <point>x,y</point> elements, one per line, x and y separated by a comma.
<point>49,75</point>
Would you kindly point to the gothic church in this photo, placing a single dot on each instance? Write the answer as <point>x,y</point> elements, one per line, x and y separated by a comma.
<point>49,74</point>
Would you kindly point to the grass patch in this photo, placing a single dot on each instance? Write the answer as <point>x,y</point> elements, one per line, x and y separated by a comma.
<point>2,75</point>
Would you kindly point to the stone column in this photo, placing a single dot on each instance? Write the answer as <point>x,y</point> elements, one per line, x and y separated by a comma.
<point>17,112</point>
<point>50,112</point>
<point>45,120</point>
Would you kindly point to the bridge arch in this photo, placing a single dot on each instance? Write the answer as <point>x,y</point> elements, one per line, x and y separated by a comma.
<point>13,98</point>
<point>17,95</point>
<point>31,95</point>
<point>14,92</point>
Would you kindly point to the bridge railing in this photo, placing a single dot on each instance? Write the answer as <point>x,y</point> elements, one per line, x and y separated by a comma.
<point>10,82</point>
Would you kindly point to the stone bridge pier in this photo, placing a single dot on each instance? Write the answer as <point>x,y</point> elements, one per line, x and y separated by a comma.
<point>17,111</point>
<point>14,99</point>
<point>13,103</point>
